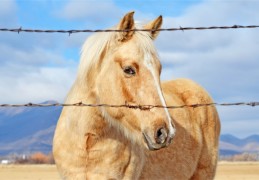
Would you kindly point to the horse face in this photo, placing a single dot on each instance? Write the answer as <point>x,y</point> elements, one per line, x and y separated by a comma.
<point>131,73</point>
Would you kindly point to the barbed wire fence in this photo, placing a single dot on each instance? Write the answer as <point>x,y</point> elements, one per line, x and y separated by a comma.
<point>20,29</point>
<point>131,106</point>
<point>126,105</point>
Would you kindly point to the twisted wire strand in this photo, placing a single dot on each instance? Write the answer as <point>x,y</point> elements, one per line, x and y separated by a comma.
<point>18,30</point>
<point>126,105</point>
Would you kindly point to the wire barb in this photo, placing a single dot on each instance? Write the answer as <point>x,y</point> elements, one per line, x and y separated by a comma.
<point>126,30</point>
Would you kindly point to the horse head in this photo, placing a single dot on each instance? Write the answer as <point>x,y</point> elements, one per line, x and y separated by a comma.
<point>127,69</point>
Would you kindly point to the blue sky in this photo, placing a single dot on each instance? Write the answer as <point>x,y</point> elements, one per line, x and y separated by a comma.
<point>39,67</point>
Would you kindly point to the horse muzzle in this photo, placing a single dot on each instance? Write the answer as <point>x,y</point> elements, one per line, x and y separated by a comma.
<point>161,139</point>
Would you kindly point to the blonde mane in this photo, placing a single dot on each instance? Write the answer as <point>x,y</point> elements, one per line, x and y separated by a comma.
<point>92,50</point>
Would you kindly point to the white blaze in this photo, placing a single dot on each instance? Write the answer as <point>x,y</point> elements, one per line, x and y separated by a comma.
<point>150,66</point>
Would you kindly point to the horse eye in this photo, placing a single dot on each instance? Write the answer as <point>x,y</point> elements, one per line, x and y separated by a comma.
<point>129,71</point>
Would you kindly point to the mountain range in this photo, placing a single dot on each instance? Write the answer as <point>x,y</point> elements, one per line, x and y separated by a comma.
<point>26,130</point>
<point>231,145</point>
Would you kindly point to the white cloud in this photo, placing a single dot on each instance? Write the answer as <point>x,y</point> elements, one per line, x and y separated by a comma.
<point>47,83</point>
<point>33,57</point>
<point>213,57</point>
<point>91,11</point>
<point>8,10</point>
<point>104,14</point>
<point>219,12</point>
<point>34,70</point>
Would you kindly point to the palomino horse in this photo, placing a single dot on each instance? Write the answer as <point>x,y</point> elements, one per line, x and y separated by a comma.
<point>119,143</point>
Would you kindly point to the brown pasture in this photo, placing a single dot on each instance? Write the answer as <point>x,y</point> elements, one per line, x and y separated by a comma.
<point>225,171</point>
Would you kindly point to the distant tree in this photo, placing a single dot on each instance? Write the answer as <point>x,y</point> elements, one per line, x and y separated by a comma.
<point>39,158</point>
<point>245,157</point>
<point>241,157</point>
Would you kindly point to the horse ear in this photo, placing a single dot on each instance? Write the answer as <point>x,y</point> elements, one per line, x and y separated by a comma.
<point>156,24</point>
<point>126,23</point>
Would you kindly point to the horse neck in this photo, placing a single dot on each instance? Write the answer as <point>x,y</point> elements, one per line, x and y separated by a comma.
<point>84,119</point>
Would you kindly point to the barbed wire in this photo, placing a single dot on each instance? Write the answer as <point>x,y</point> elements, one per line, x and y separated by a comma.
<point>18,30</point>
<point>126,105</point>
<point>141,107</point>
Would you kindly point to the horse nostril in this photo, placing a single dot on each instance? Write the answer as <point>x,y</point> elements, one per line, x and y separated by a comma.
<point>161,135</point>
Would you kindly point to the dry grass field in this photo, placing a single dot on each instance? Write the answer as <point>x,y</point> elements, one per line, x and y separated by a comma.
<point>225,171</point>
<point>28,172</point>
<point>238,171</point>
